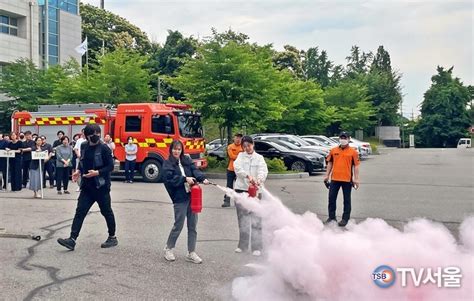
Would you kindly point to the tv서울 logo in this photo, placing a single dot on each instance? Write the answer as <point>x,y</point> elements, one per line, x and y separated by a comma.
<point>383,276</point>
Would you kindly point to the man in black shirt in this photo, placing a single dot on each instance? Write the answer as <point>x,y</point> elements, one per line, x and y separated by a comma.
<point>95,166</point>
<point>26,149</point>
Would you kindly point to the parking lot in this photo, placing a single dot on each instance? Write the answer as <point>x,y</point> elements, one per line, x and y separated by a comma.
<point>398,185</point>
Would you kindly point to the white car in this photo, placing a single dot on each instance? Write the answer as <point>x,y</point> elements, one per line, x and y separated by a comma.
<point>323,139</point>
<point>363,144</point>
<point>363,151</point>
<point>315,142</point>
<point>216,143</point>
<point>295,140</point>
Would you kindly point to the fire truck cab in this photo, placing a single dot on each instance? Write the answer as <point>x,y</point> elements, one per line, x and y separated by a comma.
<point>153,127</point>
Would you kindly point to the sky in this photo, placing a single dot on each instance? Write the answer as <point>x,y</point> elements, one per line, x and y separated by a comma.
<point>418,34</point>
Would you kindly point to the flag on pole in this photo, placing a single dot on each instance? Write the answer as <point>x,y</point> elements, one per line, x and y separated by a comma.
<point>81,49</point>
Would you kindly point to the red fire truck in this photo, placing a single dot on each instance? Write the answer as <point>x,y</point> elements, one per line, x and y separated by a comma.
<point>153,127</point>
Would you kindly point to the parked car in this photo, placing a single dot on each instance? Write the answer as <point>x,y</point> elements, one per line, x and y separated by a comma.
<point>323,139</point>
<point>218,152</point>
<point>363,144</point>
<point>464,143</point>
<point>316,142</point>
<point>363,152</point>
<point>293,147</point>
<point>296,160</point>
<point>293,139</point>
<point>216,143</point>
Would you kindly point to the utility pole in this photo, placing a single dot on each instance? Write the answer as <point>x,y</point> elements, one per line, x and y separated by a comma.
<point>159,98</point>
<point>102,4</point>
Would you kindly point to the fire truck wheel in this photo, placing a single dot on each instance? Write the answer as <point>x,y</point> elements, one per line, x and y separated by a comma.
<point>151,169</point>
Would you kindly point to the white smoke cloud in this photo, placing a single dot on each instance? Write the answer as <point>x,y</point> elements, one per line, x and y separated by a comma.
<point>304,260</point>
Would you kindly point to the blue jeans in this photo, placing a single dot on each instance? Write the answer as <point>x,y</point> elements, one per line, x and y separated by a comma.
<point>182,211</point>
<point>129,170</point>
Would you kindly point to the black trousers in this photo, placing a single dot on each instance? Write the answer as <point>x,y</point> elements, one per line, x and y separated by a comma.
<point>48,168</point>
<point>15,174</point>
<point>87,198</point>
<point>26,171</point>
<point>129,169</point>
<point>62,177</point>
<point>231,176</point>
<point>333,191</point>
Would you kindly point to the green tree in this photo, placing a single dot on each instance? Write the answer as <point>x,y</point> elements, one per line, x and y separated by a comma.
<point>118,77</point>
<point>358,62</point>
<point>304,111</point>
<point>349,107</point>
<point>233,84</point>
<point>103,28</point>
<point>385,94</point>
<point>381,61</point>
<point>290,59</point>
<point>317,66</point>
<point>444,116</point>
<point>27,86</point>
<point>168,59</point>
<point>19,81</point>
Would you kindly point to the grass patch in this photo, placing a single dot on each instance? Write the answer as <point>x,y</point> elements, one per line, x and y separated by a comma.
<point>374,144</point>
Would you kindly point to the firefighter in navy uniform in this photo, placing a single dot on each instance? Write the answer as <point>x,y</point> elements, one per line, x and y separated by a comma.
<point>95,166</point>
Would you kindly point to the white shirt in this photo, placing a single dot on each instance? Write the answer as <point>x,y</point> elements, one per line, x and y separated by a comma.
<point>77,146</point>
<point>253,165</point>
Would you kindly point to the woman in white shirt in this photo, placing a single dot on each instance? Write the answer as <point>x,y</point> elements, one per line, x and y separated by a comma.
<point>131,150</point>
<point>250,168</point>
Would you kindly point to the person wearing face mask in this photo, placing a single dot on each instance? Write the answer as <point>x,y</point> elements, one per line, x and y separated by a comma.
<point>343,169</point>
<point>131,150</point>
<point>250,168</point>
<point>179,174</point>
<point>95,166</point>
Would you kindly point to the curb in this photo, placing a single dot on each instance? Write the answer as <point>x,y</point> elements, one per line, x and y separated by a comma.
<point>270,176</point>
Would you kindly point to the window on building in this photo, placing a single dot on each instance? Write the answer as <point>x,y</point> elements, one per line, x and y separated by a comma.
<point>8,25</point>
<point>133,124</point>
<point>69,6</point>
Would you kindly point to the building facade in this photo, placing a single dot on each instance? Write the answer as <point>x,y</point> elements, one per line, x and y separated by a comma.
<point>45,31</point>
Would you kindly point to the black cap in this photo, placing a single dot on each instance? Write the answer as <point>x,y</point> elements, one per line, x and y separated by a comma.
<point>344,134</point>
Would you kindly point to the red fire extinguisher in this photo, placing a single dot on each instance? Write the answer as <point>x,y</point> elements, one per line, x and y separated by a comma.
<point>196,198</point>
<point>252,191</point>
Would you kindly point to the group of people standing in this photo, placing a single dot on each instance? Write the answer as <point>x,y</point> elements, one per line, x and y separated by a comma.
<point>57,167</point>
<point>24,171</point>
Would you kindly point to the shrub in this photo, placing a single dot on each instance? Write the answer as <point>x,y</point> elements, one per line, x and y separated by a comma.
<point>214,163</point>
<point>275,165</point>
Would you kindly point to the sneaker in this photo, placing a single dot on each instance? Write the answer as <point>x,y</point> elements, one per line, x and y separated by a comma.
<point>225,205</point>
<point>342,223</point>
<point>330,220</point>
<point>60,192</point>
<point>256,253</point>
<point>238,250</point>
<point>193,257</point>
<point>169,255</point>
<point>68,243</point>
<point>66,192</point>
<point>110,242</point>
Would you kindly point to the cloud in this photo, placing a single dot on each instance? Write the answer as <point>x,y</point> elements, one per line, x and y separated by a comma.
<point>419,34</point>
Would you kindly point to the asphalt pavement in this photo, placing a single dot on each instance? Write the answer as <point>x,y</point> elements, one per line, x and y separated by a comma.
<point>397,185</point>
